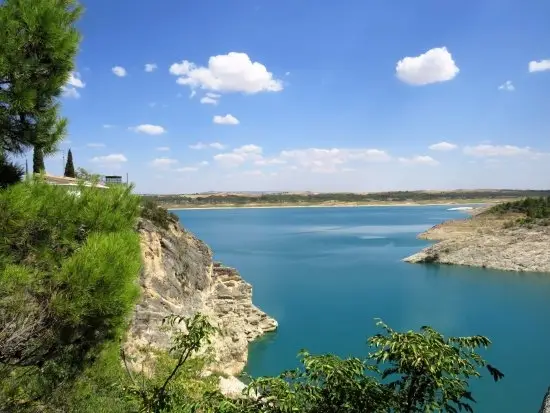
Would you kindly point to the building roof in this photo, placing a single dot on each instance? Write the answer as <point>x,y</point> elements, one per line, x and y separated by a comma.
<point>66,181</point>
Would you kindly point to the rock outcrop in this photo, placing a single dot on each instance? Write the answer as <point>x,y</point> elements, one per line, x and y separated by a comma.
<point>179,277</point>
<point>487,241</point>
<point>545,408</point>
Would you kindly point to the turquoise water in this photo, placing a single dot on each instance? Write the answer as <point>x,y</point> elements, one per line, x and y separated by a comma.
<point>326,273</point>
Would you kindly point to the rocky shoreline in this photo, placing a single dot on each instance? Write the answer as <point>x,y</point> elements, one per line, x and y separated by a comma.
<point>488,241</point>
<point>180,277</point>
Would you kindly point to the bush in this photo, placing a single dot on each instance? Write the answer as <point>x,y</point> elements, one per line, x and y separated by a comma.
<point>158,215</point>
<point>69,263</point>
<point>10,173</point>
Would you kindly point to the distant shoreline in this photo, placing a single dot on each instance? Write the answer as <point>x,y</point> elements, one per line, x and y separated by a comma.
<point>395,204</point>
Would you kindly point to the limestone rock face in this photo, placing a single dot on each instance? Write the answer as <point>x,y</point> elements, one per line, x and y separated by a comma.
<point>545,408</point>
<point>486,241</point>
<point>179,277</point>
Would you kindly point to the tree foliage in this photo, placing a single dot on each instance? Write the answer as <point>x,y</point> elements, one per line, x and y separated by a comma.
<point>69,262</point>
<point>10,172</point>
<point>38,165</point>
<point>69,166</point>
<point>38,43</point>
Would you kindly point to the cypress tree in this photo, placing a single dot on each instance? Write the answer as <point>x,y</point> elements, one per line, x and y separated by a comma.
<point>38,160</point>
<point>69,166</point>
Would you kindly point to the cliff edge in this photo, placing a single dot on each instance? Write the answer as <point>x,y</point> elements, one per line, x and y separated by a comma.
<point>490,241</point>
<point>180,277</point>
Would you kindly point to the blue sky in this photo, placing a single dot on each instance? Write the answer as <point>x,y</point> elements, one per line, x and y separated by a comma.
<point>354,95</point>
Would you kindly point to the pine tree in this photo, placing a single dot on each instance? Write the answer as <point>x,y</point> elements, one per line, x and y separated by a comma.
<point>38,160</point>
<point>69,166</point>
<point>38,43</point>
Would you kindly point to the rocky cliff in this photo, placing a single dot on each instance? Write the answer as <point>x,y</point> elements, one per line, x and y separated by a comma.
<point>179,277</point>
<point>488,241</point>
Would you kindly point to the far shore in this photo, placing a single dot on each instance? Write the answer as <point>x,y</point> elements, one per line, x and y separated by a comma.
<point>392,204</point>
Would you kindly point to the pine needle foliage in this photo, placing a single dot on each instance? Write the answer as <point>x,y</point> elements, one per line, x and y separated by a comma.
<point>69,263</point>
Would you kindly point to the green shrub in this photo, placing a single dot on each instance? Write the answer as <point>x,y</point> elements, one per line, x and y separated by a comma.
<point>160,216</point>
<point>69,263</point>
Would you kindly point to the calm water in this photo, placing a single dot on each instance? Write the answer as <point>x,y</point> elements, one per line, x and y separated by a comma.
<point>326,273</point>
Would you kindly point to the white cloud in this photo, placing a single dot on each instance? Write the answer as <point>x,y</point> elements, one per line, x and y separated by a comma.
<point>163,148</point>
<point>226,120</point>
<point>152,104</point>
<point>419,160</point>
<point>204,163</point>
<point>119,71</point>
<point>149,129</point>
<point>240,155</point>
<point>233,72</point>
<point>507,86</point>
<point>74,82</point>
<point>249,149</point>
<point>497,150</point>
<point>95,145</point>
<point>331,160</point>
<point>230,159</point>
<point>187,169</point>
<point>443,146</point>
<point>213,145</point>
<point>163,163</point>
<point>436,65</point>
<point>255,172</point>
<point>107,126</point>
<point>270,161</point>
<point>192,94</point>
<point>539,66</point>
<point>206,100</point>
<point>113,160</point>
<point>151,67</point>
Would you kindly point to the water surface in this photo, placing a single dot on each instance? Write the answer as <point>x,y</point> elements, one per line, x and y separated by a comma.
<point>326,273</point>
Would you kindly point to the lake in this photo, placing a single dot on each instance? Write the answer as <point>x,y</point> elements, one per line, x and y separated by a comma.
<point>326,273</point>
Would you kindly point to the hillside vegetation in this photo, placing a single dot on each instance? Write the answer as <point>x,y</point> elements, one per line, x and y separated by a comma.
<point>240,199</point>
<point>532,211</point>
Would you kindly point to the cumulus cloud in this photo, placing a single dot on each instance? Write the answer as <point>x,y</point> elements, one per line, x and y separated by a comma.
<point>213,145</point>
<point>119,71</point>
<point>497,150</point>
<point>436,65</point>
<point>226,120</point>
<point>148,129</point>
<point>187,169</point>
<point>211,99</point>
<point>163,148</point>
<point>95,145</point>
<point>150,67</point>
<point>331,160</point>
<point>233,72</point>
<point>443,146</point>
<point>539,66</point>
<point>163,163</point>
<point>508,86</point>
<point>70,89</point>
<point>239,156</point>
<point>419,160</point>
<point>113,160</point>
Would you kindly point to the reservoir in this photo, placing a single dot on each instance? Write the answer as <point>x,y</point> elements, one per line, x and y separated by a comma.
<point>326,273</point>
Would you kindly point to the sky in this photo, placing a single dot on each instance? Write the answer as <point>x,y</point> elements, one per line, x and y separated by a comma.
<point>289,95</point>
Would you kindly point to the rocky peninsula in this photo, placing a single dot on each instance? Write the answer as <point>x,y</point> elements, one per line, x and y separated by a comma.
<point>489,240</point>
<point>180,277</point>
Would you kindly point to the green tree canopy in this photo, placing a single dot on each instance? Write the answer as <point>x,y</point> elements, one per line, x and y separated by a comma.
<point>38,43</point>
